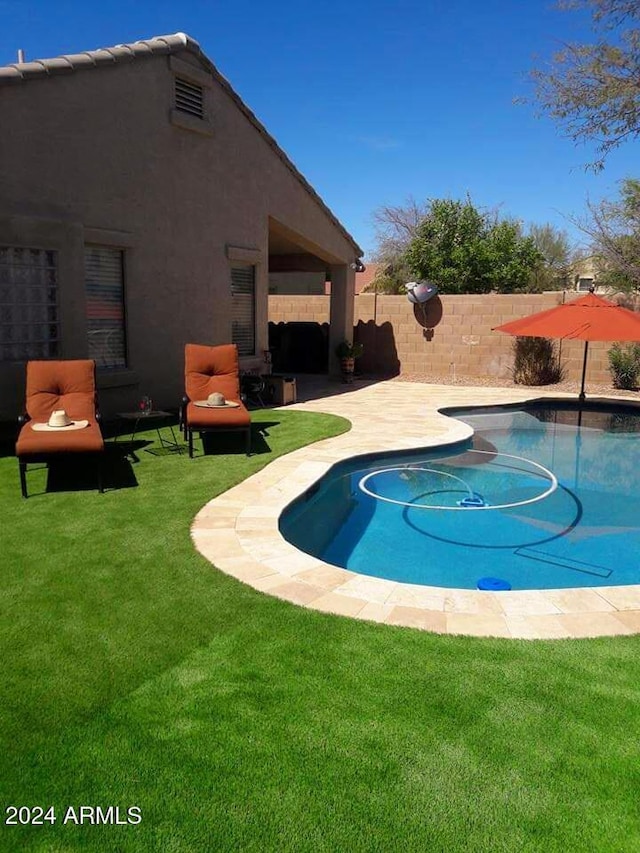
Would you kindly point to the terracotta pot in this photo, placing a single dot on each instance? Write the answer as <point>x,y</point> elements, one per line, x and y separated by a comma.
<point>347,366</point>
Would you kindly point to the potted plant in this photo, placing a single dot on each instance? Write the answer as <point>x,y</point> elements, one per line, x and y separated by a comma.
<point>347,353</point>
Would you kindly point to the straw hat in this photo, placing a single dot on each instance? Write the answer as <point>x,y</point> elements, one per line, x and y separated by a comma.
<point>217,401</point>
<point>60,420</point>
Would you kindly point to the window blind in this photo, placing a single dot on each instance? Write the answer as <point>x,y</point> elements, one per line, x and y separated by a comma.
<point>243,318</point>
<point>105,306</point>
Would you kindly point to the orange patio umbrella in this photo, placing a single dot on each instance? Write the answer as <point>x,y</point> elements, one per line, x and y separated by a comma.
<point>589,318</point>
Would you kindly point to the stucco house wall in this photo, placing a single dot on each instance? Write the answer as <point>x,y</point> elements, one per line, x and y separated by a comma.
<point>97,154</point>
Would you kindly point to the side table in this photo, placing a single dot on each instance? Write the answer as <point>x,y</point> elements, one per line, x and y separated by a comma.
<point>154,416</point>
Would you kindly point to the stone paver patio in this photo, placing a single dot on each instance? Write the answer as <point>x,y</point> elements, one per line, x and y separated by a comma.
<point>238,531</point>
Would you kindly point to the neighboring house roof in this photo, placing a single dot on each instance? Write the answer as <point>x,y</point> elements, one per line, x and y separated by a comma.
<point>364,279</point>
<point>20,72</point>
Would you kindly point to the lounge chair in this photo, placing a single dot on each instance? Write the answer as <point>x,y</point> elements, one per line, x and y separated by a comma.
<point>60,398</point>
<point>211,371</point>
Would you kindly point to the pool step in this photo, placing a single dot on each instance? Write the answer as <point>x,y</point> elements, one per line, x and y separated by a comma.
<point>564,562</point>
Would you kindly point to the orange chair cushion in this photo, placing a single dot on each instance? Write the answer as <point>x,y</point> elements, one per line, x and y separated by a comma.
<point>32,443</point>
<point>201,418</point>
<point>209,369</point>
<point>68,385</point>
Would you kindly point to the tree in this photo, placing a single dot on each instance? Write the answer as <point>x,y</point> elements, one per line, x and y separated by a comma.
<point>391,276</point>
<point>554,271</point>
<point>395,227</point>
<point>614,230</point>
<point>464,250</point>
<point>593,90</point>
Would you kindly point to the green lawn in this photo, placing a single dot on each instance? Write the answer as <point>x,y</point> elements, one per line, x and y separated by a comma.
<point>135,674</point>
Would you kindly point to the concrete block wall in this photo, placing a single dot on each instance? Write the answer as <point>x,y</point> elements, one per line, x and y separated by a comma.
<point>449,336</point>
<point>298,309</point>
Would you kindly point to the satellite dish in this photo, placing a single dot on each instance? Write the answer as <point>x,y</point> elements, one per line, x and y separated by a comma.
<point>420,292</point>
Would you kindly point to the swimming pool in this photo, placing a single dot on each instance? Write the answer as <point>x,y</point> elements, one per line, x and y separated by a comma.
<point>541,497</point>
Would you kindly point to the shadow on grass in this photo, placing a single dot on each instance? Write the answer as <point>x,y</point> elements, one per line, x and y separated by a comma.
<point>219,444</point>
<point>77,474</point>
<point>132,449</point>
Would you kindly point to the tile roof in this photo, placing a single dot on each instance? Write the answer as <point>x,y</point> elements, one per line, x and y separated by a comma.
<point>364,279</point>
<point>17,72</point>
<point>21,72</point>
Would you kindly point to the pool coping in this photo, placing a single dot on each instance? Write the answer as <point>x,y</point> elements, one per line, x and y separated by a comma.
<point>238,530</point>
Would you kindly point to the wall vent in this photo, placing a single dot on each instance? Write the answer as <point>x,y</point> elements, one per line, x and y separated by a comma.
<point>189,97</point>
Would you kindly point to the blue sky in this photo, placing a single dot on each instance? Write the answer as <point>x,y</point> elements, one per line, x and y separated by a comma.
<point>373,101</point>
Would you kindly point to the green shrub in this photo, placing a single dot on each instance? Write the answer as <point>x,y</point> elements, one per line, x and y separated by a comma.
<point>624,364</point>
<point>536,362</point>
<point>346,349</point>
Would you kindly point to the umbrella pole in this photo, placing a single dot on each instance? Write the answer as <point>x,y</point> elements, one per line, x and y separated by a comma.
<point>581,396</point>
<point>576,470</point>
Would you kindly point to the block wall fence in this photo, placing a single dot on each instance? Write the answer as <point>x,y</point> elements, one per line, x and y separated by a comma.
<point>449,336</point>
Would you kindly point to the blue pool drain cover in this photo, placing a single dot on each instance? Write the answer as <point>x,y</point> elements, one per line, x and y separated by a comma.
<point>493,584</point>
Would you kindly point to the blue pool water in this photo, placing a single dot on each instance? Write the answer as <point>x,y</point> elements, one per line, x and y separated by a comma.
<point>540,498</point>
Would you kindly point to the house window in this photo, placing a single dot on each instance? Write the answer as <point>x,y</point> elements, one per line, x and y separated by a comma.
<point>104,282</point>
<point>29,316</point>
<point>189,97</point>
<point>584,284</point>
<point>243,316</point>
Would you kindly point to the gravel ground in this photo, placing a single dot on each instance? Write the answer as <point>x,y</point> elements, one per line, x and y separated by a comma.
<point>592,389</point>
